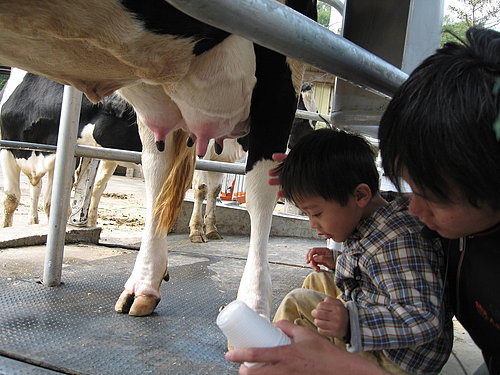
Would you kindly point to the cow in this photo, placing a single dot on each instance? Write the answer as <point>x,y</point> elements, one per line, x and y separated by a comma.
<point>208,185</point>
<point>30,110</point>
<point>300,126</point>
<point>185,80</point>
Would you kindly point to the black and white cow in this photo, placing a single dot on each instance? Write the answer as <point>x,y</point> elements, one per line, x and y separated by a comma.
<point>302,126</point>
<point>184,79</point>
<point>30,109</point>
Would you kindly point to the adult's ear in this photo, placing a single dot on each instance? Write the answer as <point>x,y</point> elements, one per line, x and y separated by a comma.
<point>363,195</point>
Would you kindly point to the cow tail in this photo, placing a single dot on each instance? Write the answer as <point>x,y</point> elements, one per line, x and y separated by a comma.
<point>169,201</point>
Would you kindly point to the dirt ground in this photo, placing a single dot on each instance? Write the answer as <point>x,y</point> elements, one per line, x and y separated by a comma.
<point>121,213</point>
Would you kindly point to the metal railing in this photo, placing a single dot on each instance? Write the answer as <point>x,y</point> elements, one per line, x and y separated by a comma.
<point>280,28</point>
<point>120,155</point>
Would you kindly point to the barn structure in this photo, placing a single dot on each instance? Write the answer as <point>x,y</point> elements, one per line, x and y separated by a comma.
<point>71,330</point>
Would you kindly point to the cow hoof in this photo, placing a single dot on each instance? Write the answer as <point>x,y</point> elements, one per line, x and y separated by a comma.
<point>143,305</point>
<point>214,236</point>
<point>124,302</point>
<point>198,238</point>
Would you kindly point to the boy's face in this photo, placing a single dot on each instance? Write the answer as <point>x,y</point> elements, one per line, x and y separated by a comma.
<point>450,220</point>
<point>329,218</point>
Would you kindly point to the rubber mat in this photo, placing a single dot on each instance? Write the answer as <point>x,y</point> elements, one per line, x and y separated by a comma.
<point>10,366</point>
<point>73,329</point>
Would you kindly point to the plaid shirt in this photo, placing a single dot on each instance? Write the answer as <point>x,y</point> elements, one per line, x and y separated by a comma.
<point>391,282</point>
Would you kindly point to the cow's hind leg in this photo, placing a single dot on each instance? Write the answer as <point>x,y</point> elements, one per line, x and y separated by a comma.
<point>47,192</point>
<point>35,191</point>
<point>276,94</point>
<point>106,170</point>
<point>255,286</point>
<point>196,232</point>
<point>214,184</point>
<point>142,289</point>
<point>12,190</point>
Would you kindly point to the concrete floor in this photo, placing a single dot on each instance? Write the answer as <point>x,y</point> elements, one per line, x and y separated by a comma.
<point>121,217</point>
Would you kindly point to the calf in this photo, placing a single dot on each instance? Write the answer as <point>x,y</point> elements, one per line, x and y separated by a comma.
<point>29,112</point>
<point>184,79</point>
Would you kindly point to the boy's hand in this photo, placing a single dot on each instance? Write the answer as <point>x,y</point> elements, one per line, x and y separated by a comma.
<point>331,318</point>
<point>320,256</point>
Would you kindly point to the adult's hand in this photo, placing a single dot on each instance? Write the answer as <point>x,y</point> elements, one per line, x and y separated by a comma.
<point>273,174</point>
<point>309,354</point>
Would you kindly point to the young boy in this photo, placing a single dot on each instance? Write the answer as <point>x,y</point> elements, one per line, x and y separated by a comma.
<point>438,133</point>
<point>388,285</point>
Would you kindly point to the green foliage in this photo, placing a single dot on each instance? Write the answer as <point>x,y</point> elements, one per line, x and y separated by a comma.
<point>453,30</point>
<point>324,14</point>
<point>482,13</point>
<point>468,13</point>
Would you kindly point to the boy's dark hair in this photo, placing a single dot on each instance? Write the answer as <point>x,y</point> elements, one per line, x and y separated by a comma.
<point>328,163</point>
<point>439,125</point>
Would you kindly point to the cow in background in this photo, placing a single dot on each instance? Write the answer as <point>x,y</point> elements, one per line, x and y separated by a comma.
<point>30,110</point>
<point>208,185</point>
<point>185,79</point>
<point>302,126</point>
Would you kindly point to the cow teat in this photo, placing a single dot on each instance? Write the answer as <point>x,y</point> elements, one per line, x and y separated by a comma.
<point>218,148</point>
<point>160,145</point>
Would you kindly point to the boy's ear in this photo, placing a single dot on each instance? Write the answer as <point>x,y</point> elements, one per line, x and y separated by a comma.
<point>363,195</point>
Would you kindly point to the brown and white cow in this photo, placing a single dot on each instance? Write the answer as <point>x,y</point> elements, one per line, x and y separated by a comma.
<point>184,79</point>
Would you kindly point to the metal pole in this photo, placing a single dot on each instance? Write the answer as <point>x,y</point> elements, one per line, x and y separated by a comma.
<point>135,157</point>
<point>64,169</point>
<point>312,116</point>
<point>16,145</point>
<point>108,154</point>
<point>280,28</point>
<point>122,155</point>
<point>218,166</point>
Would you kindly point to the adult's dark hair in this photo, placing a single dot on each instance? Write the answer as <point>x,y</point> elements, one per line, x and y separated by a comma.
<point>439,125</point>
<point>328,163</point>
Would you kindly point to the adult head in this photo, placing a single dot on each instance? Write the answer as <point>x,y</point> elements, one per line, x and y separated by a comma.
<point>438,134</point>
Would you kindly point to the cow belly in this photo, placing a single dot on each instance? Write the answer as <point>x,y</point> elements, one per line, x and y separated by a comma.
<point>211,101</point>
<point>214,97</point>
